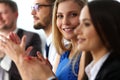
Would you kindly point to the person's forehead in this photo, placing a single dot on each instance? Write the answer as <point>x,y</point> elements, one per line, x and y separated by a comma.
<point>3,5</point>
<point>40,1</point>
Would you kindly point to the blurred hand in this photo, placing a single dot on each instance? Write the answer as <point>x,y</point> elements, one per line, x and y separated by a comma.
<point>12,49</point>
<point>32,68</point>
<point>43,60</point>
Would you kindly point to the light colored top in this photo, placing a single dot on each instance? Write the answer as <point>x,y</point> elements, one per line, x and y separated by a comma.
<point>52,51</point>
<point>92,69</point>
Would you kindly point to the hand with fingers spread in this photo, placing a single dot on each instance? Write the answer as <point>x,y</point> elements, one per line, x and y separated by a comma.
<point>12,49</point>
<point>16,51</point>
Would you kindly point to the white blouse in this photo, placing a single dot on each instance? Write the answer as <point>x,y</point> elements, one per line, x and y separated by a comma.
<point>92,69</point>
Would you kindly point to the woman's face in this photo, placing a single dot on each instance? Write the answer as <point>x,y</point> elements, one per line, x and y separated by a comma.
<point>68,18</point>
<point>87,36</point>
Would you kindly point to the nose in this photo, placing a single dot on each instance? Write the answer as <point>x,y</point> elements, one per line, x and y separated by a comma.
<point>65,21</point>
<point>33,12</point>
<point>78,29</point>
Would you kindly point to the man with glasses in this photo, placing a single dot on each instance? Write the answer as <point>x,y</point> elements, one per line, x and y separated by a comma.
<point>42,15</point>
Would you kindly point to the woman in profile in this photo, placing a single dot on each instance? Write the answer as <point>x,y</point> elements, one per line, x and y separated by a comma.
<point>99,35</point>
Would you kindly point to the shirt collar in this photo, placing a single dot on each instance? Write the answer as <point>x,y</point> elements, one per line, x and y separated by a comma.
<point>92,69</point>
<point>49,39</point>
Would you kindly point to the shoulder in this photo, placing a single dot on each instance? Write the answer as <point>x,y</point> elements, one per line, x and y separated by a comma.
<point>110,69</point>
<point>64,55</point>
<point>27,32</point>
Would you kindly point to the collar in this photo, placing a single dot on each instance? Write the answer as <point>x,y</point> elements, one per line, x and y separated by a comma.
<point>49,39</point>
<point>92,69</point>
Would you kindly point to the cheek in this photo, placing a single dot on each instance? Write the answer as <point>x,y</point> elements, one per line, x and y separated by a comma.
<point>9,19</point>
<point>94,40</point>
<point>58,23</point>
<point>92,36</point>
<point>75,22</point>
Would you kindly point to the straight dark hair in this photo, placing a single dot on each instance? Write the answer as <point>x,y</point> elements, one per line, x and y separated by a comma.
<point>105,15</point>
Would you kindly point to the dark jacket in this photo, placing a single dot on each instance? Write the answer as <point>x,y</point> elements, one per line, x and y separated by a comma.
<point>110,69</point>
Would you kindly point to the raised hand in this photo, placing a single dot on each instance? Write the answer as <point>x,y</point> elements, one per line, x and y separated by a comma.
<point>12,49</point>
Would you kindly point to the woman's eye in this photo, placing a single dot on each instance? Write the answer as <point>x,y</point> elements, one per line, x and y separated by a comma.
<point>74,14</point>
<point>59,16</point>
<point>87,24</point>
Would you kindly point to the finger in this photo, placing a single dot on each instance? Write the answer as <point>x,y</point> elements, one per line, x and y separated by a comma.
<point>2,46</point>
<point>3,38</point>
<point>14,37</point>
<point>23,41</point>
<point>17,39</point>
<point>40,56</point>
<point>28,50</point>
<point>11,36</point>
<point>48,62</point>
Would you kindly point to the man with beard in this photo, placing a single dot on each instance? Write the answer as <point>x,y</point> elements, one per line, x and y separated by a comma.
<point>42,15</point>
<point>8,20</point>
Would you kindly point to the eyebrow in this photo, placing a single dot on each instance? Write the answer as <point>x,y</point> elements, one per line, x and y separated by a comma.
<point>71,11</point>
<point>86,19</point>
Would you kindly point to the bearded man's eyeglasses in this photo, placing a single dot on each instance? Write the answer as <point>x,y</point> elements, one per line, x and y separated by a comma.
<point>37,6</point>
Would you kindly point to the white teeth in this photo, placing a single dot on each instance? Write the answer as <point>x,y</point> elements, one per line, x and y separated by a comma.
<point>67,29</point>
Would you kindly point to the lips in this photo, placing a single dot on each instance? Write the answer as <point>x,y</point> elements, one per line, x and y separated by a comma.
<point>35,18</point>
<point>81,40</point>
<point>68,29</point>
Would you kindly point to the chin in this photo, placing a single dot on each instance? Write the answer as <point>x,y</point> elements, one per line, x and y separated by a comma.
<point>68,37</point>
<point>80,48</point>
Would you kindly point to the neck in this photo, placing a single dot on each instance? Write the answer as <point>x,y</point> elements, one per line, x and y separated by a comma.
<point>74,48</point>
<point>48,30</point>
<point>6,32</point>
<point>98,54</point>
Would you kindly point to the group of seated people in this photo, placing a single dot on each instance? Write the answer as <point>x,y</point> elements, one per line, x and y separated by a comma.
<point>93,32</point>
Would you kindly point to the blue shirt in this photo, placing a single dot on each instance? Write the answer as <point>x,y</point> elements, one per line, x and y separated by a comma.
<point>65,70</point>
